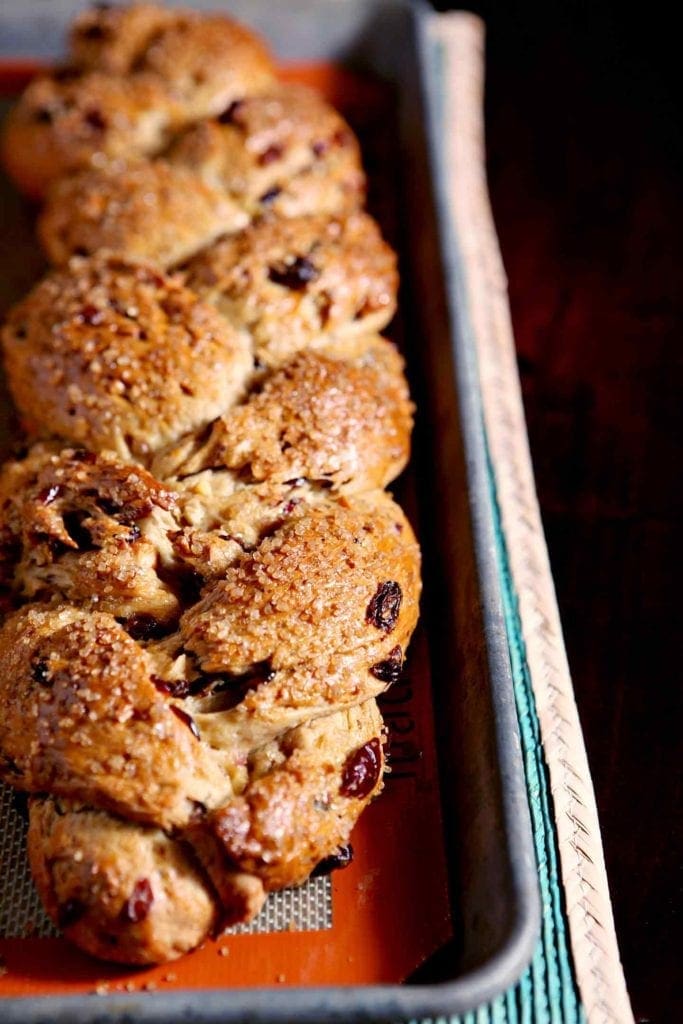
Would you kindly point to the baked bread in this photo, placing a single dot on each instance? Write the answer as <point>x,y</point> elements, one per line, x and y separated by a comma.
<point>146,210</point>
<point>112,37</point>
<point>137,75</point>
<point>129,892</point>
<point>122,356</point>
<point>67,121</point>
<point>205,586</point>
<point>120,890</point>
<point>342,424</point>
<point>294,283</point>
<point>286,151</point>
<point>88,529</point>
<point>83,718</point>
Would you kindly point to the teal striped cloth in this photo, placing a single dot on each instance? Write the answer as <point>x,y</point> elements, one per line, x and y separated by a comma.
<point>547,992</point>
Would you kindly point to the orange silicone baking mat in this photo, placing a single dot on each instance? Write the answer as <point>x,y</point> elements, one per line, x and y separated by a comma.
<point>390,906</point>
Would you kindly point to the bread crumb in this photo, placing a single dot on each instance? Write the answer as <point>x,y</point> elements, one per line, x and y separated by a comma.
<point>223,951</point>
<point>102,988</point>
<point>281,978</point>
<point>129,986</point>
<point>171,976</point>
<point>150,986</point>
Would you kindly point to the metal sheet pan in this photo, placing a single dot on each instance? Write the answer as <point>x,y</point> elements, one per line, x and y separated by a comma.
<point>493,888</point>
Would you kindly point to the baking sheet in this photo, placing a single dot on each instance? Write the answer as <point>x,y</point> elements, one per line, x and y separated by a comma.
<point>489,858</point>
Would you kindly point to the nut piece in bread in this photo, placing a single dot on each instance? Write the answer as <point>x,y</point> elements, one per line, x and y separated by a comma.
<point>120,890</point>
<point>146,210</point>
<point>109,353</point>
<point>295,282</point>
<point>287,151</point>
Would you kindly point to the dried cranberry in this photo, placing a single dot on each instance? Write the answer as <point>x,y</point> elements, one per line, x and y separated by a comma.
<point>93,32</point>
<point>176,688</point>
<point>341,859</point>
<point>143,626</point>
<point>65,73</point>
<point>270,196</point>
<point>342,137</point>
<point>236,688</point>
<point>48,494</point>
<point>389,671</point>
<point>70,912</point>
<point>91,315</point>
<point>81,455</point>
<point>95,120</point>
<point>295,275</point>
<point>362,770</point>
<point>40,672</point>
<point>270,155</point>
<point>187,719</point>
<point>318,148</point>
<point>228,115</point>
<point>382,612</point>
<point>137,906</point>
<point>133,534</point>
<point>190,583</point>
<point>80,535</point>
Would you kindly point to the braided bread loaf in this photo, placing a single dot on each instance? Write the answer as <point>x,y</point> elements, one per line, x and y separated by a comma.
<point>208,585</point>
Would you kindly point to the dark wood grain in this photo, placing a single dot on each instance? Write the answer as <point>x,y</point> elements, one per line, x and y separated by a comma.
<point>585,159</point>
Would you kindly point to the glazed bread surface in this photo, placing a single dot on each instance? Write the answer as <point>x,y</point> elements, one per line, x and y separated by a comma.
<point>206,586</point>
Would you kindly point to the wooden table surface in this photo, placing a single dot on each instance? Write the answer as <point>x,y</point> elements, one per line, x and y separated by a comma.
<point>585,150</point>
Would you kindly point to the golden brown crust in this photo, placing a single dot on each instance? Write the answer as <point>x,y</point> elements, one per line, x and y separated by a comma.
<point>67,122</point>
<point>113,354</point>
<point>303,809</point>
<point>194,683</point>
<point>207,61</point>
<point>340,423</point>
<point>295,282</point>
<point>287,152</point>
<point>82,718</point>
<point>113,37</point>
<point>290,604</point>
<point>89,529</point>
<point>120,890</point>
<point>305,793</point>
<point>144,210</point>
<point>138,74</point>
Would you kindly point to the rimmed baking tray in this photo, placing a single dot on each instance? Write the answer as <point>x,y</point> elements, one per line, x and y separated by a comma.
<point>465,891</point>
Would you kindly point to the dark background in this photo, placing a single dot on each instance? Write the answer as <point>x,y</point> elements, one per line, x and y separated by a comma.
<point>585,160</point>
